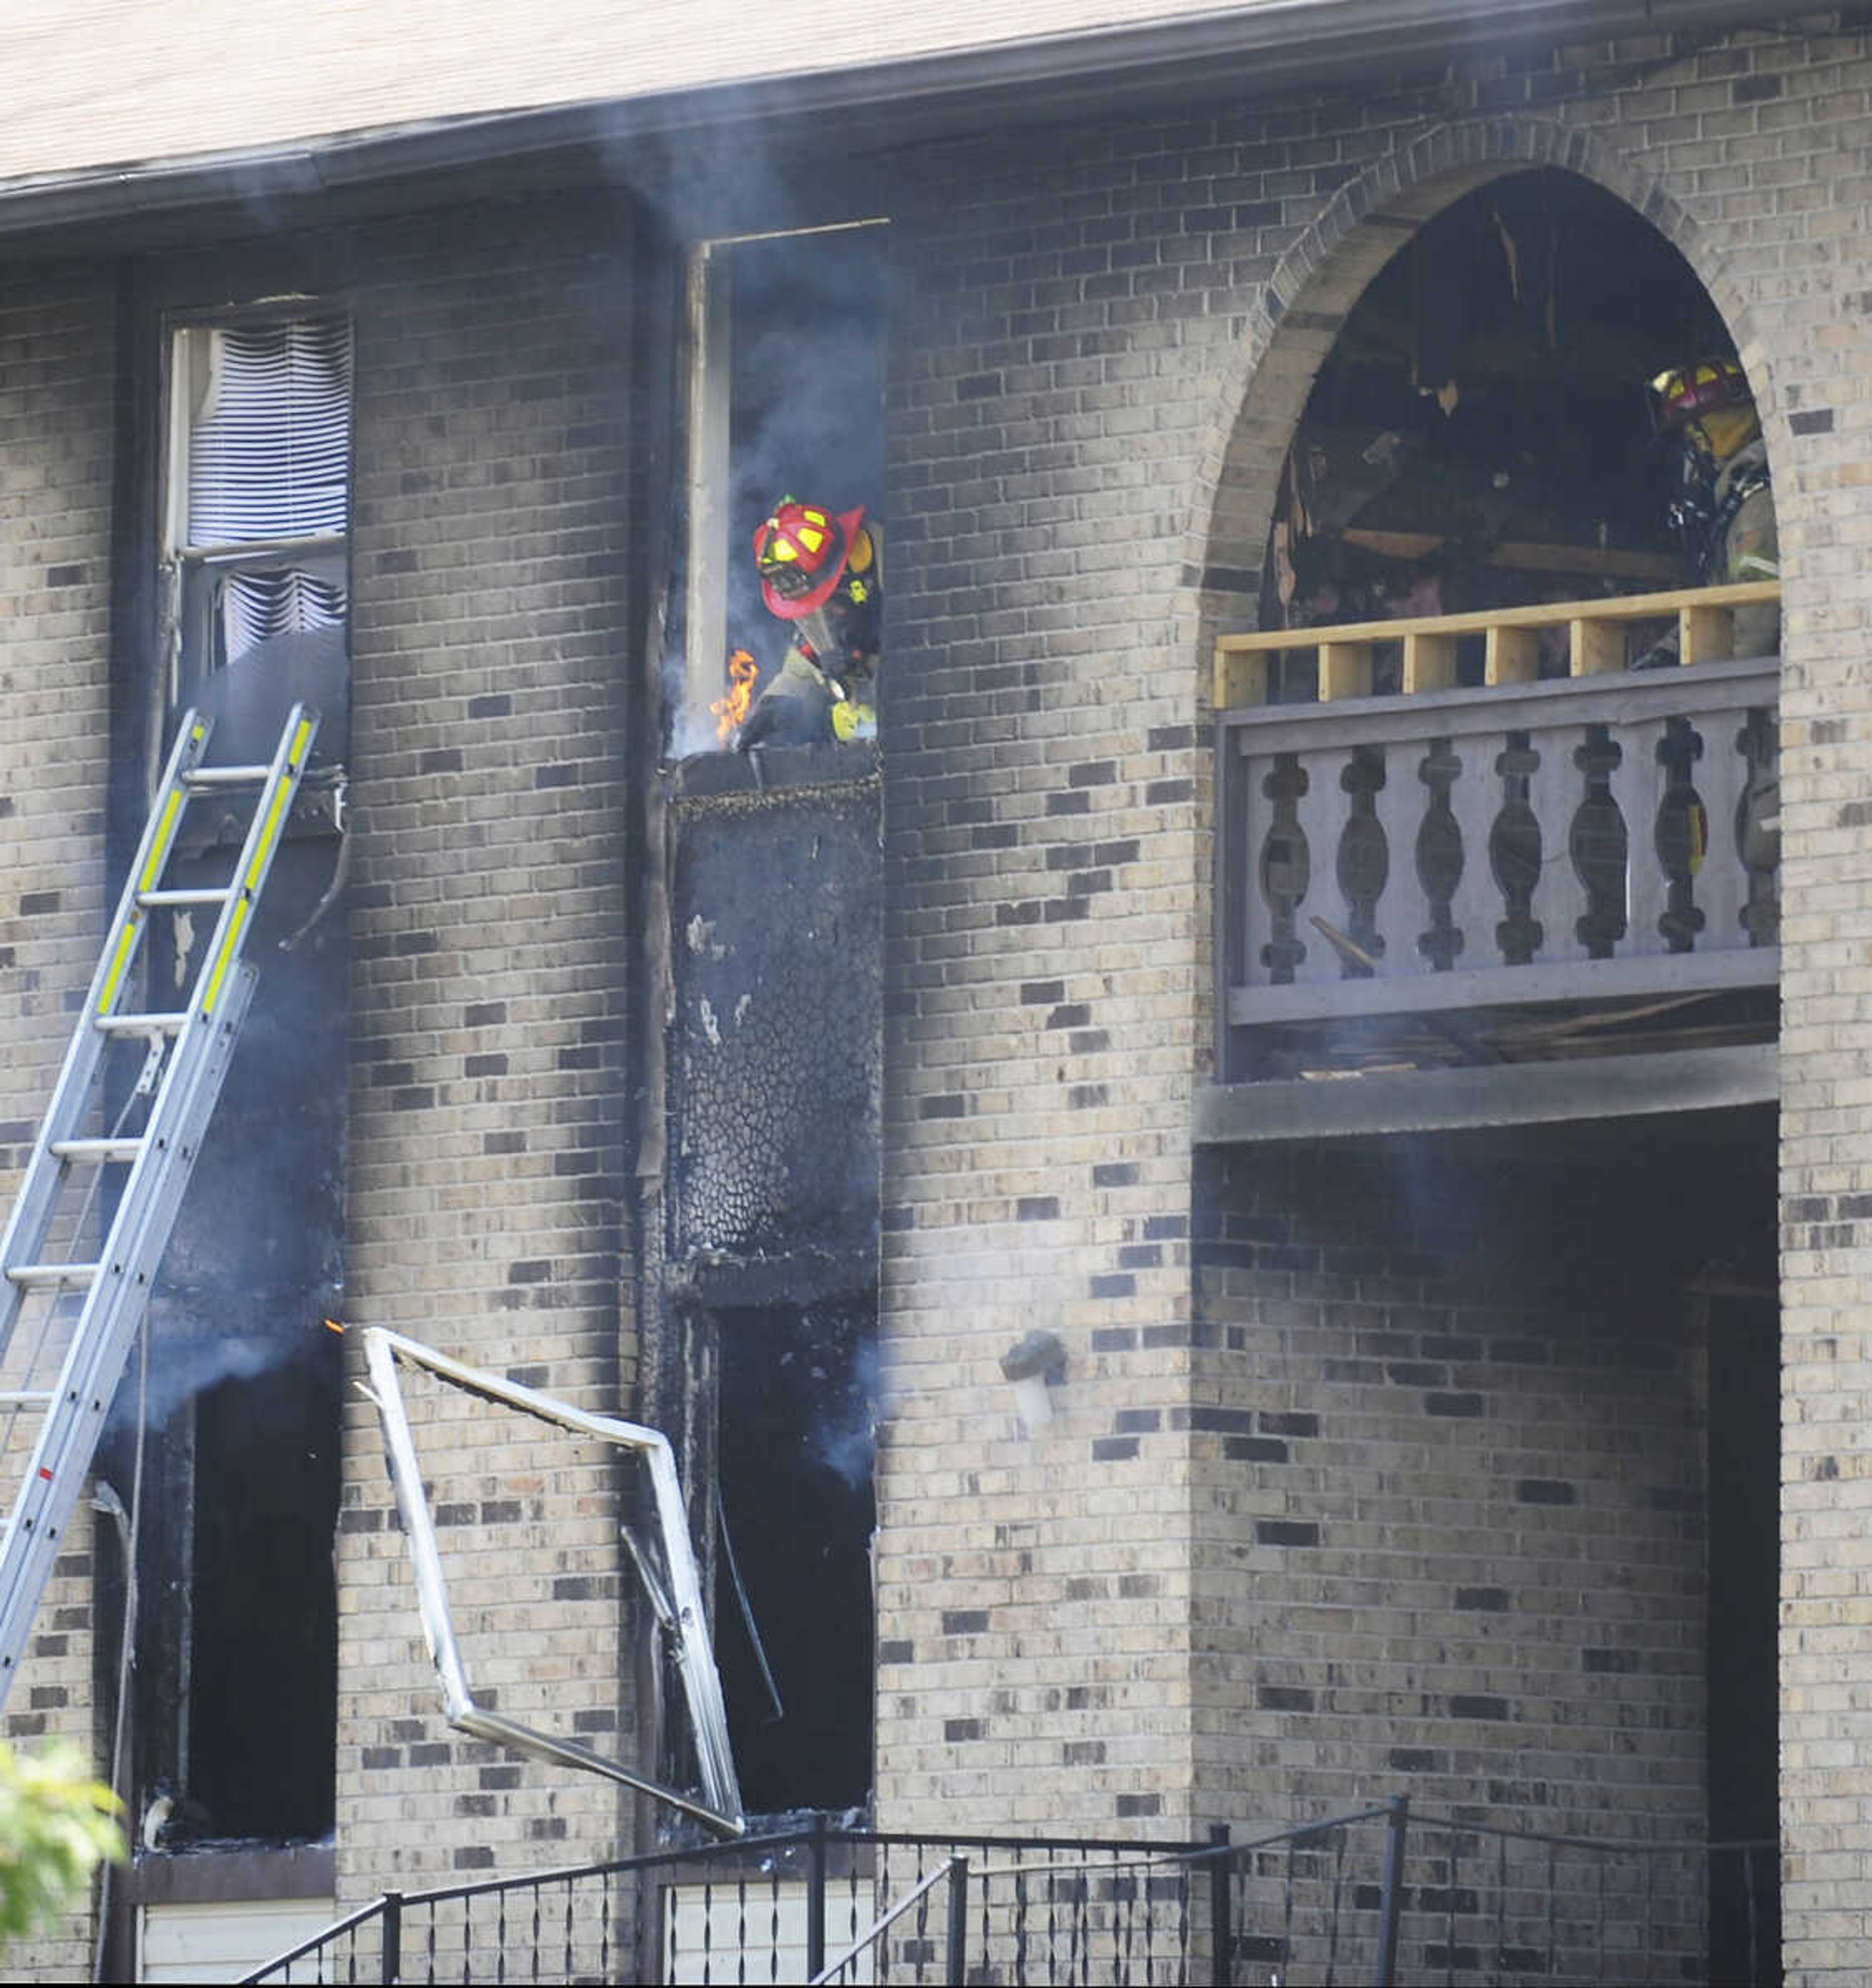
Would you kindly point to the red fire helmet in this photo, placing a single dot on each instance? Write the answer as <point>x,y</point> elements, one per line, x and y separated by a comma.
<point>802,550</point>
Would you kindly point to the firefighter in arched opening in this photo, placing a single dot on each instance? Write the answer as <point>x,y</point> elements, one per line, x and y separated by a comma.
<point>822,571</point>
<point>1724,509</point>
<point>1724,506</point>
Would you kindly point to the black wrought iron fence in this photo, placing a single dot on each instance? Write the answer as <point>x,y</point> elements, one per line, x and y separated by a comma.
<point>775,1908</point>
<point>1394,1895</point>
<point>1380,1896</point>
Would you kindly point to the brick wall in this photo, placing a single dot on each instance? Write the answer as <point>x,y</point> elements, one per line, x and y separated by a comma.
<point>1103,339</point>
<point>55,411</point>
<point>488,1014</point>
<point>1449,1430</point>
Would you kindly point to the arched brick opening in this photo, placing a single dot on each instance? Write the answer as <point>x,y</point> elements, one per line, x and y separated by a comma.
<point>1294,322</point>
<point>1290,326</point>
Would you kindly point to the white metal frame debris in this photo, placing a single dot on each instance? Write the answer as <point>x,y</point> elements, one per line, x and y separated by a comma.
<point>676,1594</point>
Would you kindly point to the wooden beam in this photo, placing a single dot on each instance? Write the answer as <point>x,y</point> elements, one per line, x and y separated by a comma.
<point>1241,677</point>
<point>1429,660</point>
<point>1547,614</point>
<point>1522,555</point>
<point>1705,634</point>
<point>1511,655</point>
<point>1595,648</point>
<point>1345,671</point>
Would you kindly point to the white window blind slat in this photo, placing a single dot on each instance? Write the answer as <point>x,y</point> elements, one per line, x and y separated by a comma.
<point>255,607</point>
<point>269,456</point>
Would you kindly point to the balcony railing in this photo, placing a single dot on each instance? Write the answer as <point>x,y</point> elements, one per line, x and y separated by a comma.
<point>1611,833</point>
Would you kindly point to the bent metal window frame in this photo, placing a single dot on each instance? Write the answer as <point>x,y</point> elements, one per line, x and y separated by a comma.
<point>675,1593</point>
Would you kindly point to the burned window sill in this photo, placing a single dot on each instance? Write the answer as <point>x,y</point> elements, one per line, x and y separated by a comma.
<point>217,1871</point>
<point>771,767</point>
<point>711,1279</point>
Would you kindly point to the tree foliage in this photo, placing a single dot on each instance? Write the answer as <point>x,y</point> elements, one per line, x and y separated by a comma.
<point>56,1827</point>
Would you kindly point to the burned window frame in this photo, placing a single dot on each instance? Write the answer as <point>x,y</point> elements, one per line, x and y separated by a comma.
<point>156,671</point>
<point>698,681</point>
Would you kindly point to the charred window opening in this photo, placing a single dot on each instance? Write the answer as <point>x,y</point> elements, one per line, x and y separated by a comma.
<point>235,1696</point>
<point>266,1495</point>
<point>798,1388</point>
<point>1485,432</point>
<point>782,589</point>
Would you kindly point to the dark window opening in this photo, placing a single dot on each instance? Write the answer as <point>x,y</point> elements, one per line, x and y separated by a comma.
<point>235,1691</point>
<point>797,1402</point>
<point>262,1717</point>
<point>237,1655</point>
<point>786,401</point>
<point>1744,1571</point>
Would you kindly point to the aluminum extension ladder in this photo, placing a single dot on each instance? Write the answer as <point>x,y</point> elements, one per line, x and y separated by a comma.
<point>188,1053</point>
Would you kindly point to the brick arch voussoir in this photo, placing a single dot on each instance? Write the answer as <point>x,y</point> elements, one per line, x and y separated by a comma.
<point>1289,328</point>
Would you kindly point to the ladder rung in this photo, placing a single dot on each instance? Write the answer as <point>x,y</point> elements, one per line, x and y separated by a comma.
<point>99,1151</point>
<point>217,894</point>
<point>18,1398</point>
<point>139,1024</point>
<point>27,1276</point>
<point>225,776</point>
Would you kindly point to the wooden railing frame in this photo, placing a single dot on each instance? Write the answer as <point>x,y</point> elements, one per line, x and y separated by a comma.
<point>1707,684</point>
<point>1705,618</point>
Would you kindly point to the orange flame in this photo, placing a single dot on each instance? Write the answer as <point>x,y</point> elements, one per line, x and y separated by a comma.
<point>728,712</point>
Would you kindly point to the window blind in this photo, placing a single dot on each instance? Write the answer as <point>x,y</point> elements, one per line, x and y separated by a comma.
<point>270,453</point>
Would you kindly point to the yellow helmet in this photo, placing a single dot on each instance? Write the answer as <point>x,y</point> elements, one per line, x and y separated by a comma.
<point>1686,394</point>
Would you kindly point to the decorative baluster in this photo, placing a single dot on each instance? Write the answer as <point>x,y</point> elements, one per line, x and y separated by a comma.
<point>1683,833</point>
<point>1438,857</point>
<point>1320,817</point>
<point>1516,847</point>
<point>1477,904</point>
<point>1399,915</point>
<point>1362,860</point>
<point>1638,785</point>
<point>1278,861</point>
<point>1720,888</point>
<point>1554,789</point>
<point>1599,839</point>
<point>1761,840</point>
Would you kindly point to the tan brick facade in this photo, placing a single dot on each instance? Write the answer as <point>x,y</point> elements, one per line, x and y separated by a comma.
<point>56,332</point>
<point>1361,1478</point>
<point>487,1017</point>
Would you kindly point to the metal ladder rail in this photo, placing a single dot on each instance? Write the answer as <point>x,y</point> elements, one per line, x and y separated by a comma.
<point>44,1172</point>
<point>119,1284</point>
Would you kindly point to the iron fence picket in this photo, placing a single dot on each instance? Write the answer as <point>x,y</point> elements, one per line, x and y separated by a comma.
<point>1354,1897</point>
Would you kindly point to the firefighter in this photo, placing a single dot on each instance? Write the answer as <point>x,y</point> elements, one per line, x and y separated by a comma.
<point>1724,504</point>
<point>823,572</point>
<point>1724,509</point>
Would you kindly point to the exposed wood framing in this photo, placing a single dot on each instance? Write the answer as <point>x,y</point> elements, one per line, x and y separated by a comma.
<point>1704,618</point>
<point>1521,555</point>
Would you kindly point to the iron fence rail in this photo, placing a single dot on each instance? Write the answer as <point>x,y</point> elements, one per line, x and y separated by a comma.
<point>1382,1895</point>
